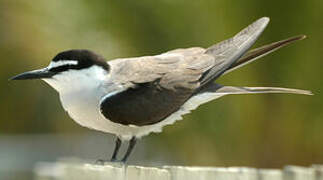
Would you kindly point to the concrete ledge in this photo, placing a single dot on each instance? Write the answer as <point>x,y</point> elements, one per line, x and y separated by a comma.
<point>116,171</point>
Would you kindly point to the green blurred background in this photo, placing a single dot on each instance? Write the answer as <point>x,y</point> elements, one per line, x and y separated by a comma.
<point>242,130</point>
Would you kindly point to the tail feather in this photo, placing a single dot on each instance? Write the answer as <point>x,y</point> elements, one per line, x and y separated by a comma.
<point>257,53</point>
<point>215,91</point>
<point>257,90</point>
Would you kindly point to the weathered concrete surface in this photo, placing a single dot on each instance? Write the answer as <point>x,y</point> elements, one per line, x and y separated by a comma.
<point>299,173</point>
<point>64,170</point>
<point>108,171</point>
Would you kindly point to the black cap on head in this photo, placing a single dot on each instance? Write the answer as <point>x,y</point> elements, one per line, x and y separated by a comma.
<point>84,59</point>
<point>81,59</point>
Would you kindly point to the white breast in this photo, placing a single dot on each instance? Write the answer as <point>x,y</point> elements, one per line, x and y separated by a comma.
<point>84,108</point>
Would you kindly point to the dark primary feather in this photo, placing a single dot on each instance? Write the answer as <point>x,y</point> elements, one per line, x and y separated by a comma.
<point>257,53</point>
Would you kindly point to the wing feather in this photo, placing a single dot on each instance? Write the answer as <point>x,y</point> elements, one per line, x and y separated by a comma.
<point>229,51</point>
<point>154,87</point>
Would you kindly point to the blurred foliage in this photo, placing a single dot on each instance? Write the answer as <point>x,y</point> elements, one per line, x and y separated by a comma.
<point>253,130</point>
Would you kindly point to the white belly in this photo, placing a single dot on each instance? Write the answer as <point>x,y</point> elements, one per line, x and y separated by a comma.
<point>85,110</point>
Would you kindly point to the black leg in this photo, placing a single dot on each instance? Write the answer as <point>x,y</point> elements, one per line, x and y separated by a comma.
<point>132,144</point>
<point>116,150</point>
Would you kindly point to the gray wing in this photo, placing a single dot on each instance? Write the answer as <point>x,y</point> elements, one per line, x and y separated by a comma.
<point>229,51</point>
<point>156,86</point>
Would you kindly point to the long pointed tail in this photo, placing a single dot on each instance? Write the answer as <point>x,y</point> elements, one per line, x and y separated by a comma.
<point>256,90</point>
<point>215,91</point>
<point>257,53</point>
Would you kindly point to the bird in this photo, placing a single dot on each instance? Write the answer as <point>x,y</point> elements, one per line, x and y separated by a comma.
<point>133,97</point>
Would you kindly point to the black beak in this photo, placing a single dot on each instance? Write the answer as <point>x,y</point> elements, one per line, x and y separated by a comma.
<point>36,74</point>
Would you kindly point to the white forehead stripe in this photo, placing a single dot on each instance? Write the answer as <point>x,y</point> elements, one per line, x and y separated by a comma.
<point>61,63</point>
